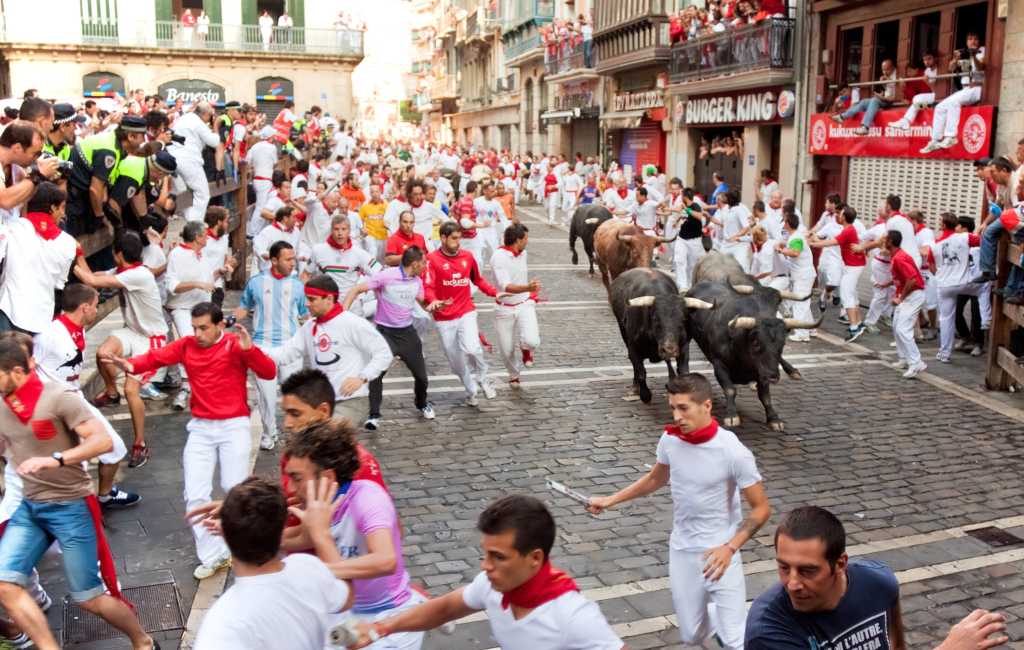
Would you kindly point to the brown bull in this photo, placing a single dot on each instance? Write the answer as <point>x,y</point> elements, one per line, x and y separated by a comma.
<point>620,246</point>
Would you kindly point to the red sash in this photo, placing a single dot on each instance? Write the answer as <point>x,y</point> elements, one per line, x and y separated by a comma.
<point>107,569</point>
<point>549,583</point>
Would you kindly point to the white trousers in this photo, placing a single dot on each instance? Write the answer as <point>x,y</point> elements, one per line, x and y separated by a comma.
<point>801,285</point>
<point>553,201</point>
<point>920,101</point>
<point>946,121</point>
<point>830,270</point>
<point>400,640</point>
<point>488,244</point>
<point>210,441</point>
<point>266,396</point>
<point>475,245</point>
<point>191,172</point>
<point>516,321</point>
<point>881,299</point>
<point>692,593</point>
<point>931,291</point>
<point>460,340</point>
<point>985,304</point>
<point>947,316</point>
<point>685,254</point>
<point>262,190</point>
<point>375,247</point>
<point>568,205</point>
<point>365,305</point>
<point>848,286</point>
<point>904,317</point>
<point>739,251</point>
<point>182,319</point>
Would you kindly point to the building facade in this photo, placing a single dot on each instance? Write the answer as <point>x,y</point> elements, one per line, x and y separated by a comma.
<point>97,47</point>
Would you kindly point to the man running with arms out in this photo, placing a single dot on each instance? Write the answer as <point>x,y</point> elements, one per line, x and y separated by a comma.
<point>450,272</point>
<point>826,601</point>
<point>708,468</point>
<point>530,604</point>
<point>516,315</point>
<point>49,432</point>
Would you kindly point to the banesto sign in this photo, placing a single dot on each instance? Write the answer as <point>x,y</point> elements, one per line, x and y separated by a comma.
<point>752,107</point>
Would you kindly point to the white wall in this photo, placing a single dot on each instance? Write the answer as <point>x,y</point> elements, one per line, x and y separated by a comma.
<point>231,12</point>
<point>23,17</point>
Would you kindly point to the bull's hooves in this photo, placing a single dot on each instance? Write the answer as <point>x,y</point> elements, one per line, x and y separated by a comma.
<point>732,422</point>
<point>778,425</point>
<point>796,375</point>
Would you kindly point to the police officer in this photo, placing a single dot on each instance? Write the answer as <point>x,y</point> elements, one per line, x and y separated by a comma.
<point>194,128</point>
<point>61,138</point>
<point>140,182</point>
<point>95,161</point>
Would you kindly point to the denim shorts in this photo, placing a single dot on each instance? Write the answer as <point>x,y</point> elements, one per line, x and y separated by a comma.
<point>31,530</point>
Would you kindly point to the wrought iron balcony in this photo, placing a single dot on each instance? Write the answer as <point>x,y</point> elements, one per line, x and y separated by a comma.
<point>519,48</point>
<point>570,58</point>
<point>767,45</point>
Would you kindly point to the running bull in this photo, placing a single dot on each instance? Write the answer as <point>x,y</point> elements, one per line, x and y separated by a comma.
<point>743,336</point>
<point>621,246</point>
<point>584,224</point>
<point>652,321</point>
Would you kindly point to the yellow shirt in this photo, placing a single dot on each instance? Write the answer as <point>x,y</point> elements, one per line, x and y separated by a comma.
<point>372,215</point>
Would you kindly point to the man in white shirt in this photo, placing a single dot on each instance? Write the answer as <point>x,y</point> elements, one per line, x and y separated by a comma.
<point>346,347</point>
<point>768,186</point>
<point>195,128</point>
<point>896,220</point>
<point>708,469</point>
<point>273,603</point>
<point>950,255</point>
<point>218,247</point>
<point>283,229</point>
<point>490,217</point>
<point>882,96</point>
<point>735,226</point>
<point>773,215</point>
<point>946,118</point>
<point>620,200</point>
<point>830,263</point>
<point>529,604</point>
<point>516,313</point>
<point>797,251</point>
<point>347,263</point>
<point>261,158</point>
<point>571,186</point>
<point>921,100</point>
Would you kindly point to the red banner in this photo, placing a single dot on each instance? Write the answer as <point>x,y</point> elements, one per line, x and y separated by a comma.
<point>974,136</point>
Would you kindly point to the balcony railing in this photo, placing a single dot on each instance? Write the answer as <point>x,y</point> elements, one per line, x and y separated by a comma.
<point>568,58</point>
<point>755,47</point>
<point>521,47</point>
<point>521,11</point>
<point>171,34</point>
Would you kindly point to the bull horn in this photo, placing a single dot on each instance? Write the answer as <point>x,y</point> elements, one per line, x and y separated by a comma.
<point>794,324</point>
<point>743,323</point>
<point>641,301</point>
<point>789,295</point>
<point>591,221</point>
<point>625,238</point>
<point>697,303</point>
<point>745,289</point>
<point>667,240</point>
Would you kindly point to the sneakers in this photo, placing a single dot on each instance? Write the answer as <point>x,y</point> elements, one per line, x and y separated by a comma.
<point>886,321</point>
<point>915,370</point>
<point>976,351</point>
<point>18,642</point>
<point>488,389</point>
<point>902,124</point>
<point>45,603</point>
<point>822,303</point>
<point>928,334</point>
<point>149,392</point>
<point>106,399</point>
<point>838,119</point>
<point>528,358</point>
<point>428,411</point>
<point>900,365</point>
<point>181,400</point>
<point>861,130</point>
<point>139,457</point>
<point>941,358</point>
<point>118,498</point>
<point>930,147</point>
<point>843,318</point>
<point>854,333</point>
<point>947,143</point>
<point>372,423</point>
<point>514,382</point>
<point>871,329</point>
<point>204,571</point>
<point>795,338</point>
<point>268,441</point>
<point>963,345</point>
<point>168,384</point>
<point>471,400</point>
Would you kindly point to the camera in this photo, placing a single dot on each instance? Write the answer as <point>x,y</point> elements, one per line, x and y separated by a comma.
<point>180,139</point>
<point>63,168</point>
<point>230,320</point>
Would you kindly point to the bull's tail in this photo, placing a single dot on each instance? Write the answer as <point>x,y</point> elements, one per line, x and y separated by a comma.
<point>572,241</point>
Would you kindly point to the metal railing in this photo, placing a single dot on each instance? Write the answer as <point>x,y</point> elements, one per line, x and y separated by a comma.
<point>768,44</point>
<point>521,11</point>
<point>521,47</point>
<point>171,34</point>
<point>575,57</point>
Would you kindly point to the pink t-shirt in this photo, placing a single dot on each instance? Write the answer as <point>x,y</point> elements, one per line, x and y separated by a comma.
<point>397,294</point>
<point>368,507</point>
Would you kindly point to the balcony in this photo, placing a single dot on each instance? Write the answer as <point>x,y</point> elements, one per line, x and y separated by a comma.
<point>526,11</point>
<point>635,44</point>
<point>569,59</point>
<point>755,48</point>
<point>251,38</point>
<point>443,88</point>
<point>519,48</point>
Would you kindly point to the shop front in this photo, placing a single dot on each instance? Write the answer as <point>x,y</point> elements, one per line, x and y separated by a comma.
<point>575,114</point>
<point>736,134</point>
<point>271,95</point>
<point>191,91</point>
<point>633,130</point>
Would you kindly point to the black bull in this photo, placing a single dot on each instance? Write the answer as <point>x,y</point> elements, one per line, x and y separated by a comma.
<point>742,337</point>
<point>652,321</point>
<point>585,221</point>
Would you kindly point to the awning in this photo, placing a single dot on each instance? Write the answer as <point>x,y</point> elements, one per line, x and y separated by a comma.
<point>559,117</point>
<point>622,119</point>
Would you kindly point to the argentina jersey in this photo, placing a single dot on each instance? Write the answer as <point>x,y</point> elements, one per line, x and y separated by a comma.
<point>276,304</point>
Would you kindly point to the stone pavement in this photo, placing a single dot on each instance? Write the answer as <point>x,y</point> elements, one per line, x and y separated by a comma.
<point>908,466</point>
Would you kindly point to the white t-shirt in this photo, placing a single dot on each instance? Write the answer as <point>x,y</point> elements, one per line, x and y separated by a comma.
<point>287,609</point>
<point>647,215</point>
<point>734,219</point>
<point>706,480</point>
<point>901,224</point>
<point>952,260</point>
<point>183,265</point>
<point>143,310</point>
<point>490,212</point>
<point>571,184</point>
<point>569,622</point>
<point>830,254</point>
<point>803,264</point>
<point>55,350</point>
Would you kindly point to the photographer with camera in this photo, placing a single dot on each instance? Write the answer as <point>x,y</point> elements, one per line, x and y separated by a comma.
<point>195,128</point>
<point>969,61</point>
<point>132,194</point>
<point>20,145</point>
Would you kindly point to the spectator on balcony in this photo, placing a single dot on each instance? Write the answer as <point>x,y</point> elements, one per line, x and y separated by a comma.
<point>188,25</point>
<point>284,25</point>
<point>266,23</point>
<point>969,61</point>
<point>883,96</point>
<point>919,93</point>
<point>587,33</point>
<point>202,26</point>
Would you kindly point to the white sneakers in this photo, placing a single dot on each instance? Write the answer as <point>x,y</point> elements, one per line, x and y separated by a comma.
<point>902,124</point>
<point>915,370</point>
<point>935,145</point>
<point>488,389</point>
<point>204,571</point>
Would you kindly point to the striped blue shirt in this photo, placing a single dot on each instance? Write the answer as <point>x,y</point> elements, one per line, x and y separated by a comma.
<point>276,305</point>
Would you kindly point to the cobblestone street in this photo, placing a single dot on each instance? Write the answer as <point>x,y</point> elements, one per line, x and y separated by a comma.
<point>906,465</point>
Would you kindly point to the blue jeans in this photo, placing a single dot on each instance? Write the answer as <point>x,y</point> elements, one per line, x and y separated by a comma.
<point>31,530</point>
<point>869,107</point>
<point>989,250</point>
<point>588,49</point>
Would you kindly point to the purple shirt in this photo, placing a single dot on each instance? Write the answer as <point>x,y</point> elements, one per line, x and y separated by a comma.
<point>397,294</point>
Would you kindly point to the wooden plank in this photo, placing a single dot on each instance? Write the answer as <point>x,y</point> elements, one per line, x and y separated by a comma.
<point>999,333</point>
<point>1014,313</point>
<point>98,240</point>
<point>1009,365</point>
<point>1015,255</point>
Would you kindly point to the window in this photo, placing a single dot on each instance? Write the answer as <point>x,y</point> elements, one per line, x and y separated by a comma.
<point>970,18</point>
<point>887,38</point>
<point>850,55</point>
<point>528,92</point>
<point>542,126</point>
<point>925,36</point>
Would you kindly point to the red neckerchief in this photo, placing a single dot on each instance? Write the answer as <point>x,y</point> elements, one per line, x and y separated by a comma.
<point>336,246</point>
<point>697,437</point>
<point>277,224</point>
<point>44,225</point>
<point>128,267</point>
<point>277,276</point>
<point>514,252</point>
<point>280,196</point>
<point>623,193</point>
<point>548,583</point>
<point>416,205</point>
<point>22,401</point>
<point>320,320</point>
<point>918,227</point>
<point>326,209</point>
<point>210,232</point>
<point>946,234</point>
<point>75,330</point>
<point>198,253</point>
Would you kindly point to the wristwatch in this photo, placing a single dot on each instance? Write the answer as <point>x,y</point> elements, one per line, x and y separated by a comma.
<point>59,457</point>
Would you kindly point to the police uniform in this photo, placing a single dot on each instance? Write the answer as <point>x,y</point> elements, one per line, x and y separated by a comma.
<point>134,176</point>
<point>62,114</point>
